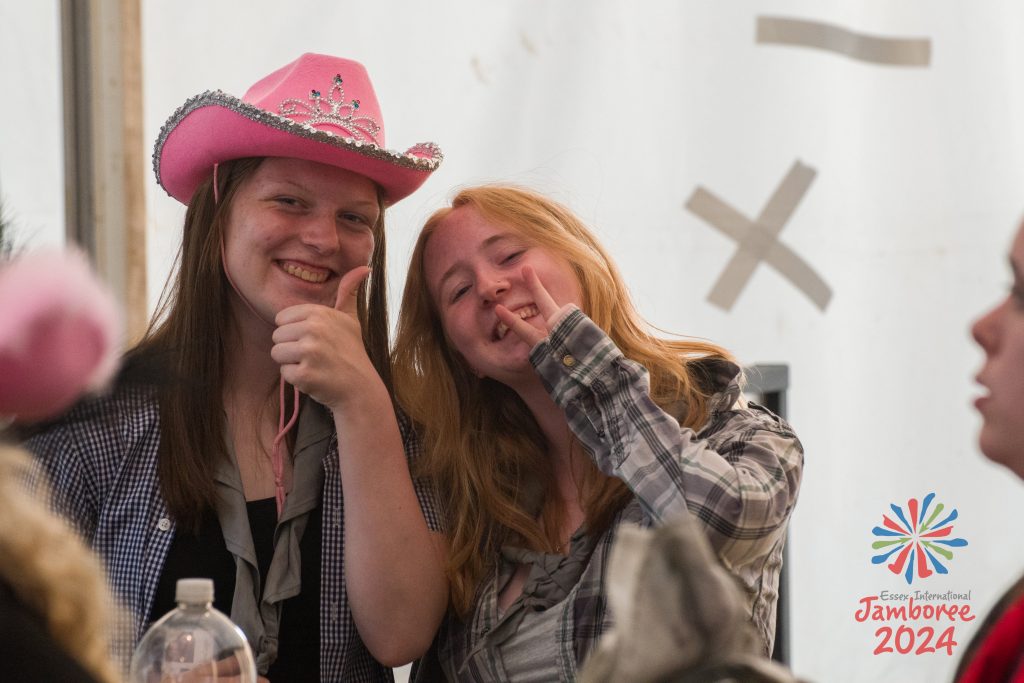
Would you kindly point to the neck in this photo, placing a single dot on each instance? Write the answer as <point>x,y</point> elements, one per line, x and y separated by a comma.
<point>567,463</point>
<point>249,368</point>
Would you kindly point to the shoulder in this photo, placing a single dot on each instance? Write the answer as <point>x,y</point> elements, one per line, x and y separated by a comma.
<point>999,633</point>
<point>125,406</point>
<point>96,424</point>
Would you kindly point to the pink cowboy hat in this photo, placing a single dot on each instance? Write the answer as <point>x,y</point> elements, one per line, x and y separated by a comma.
<point>319,108</point>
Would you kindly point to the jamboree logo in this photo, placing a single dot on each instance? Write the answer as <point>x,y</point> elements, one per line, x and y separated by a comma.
<point>916,543</point>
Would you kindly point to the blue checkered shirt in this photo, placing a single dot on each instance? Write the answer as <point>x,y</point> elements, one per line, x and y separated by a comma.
<point>102,463</point>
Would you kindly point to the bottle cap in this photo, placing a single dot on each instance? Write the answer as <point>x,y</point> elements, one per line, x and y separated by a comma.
<point>194,590</point>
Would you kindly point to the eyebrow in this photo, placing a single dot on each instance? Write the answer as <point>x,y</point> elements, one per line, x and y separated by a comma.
<point>487,243</point>
<point>364,204</point>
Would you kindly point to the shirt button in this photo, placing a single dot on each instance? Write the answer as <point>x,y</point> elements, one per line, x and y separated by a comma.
<point>568,361</point>
<point>164,524</point>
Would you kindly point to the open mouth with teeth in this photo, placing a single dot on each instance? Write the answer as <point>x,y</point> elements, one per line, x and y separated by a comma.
<point>314,275</point>
<point>501,329</point>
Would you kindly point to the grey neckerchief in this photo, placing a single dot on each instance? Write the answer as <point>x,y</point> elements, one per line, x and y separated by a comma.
<point>551,578</point>
<point>261,622</point>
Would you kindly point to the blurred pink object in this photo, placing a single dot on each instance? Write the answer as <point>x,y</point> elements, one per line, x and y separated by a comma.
<point>60,329</point>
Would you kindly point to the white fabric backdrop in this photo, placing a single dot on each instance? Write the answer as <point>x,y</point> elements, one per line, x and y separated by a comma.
<point>622,110</point>
<point>31,121</point>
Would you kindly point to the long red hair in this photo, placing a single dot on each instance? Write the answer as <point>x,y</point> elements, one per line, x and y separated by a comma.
<point>484,450</point>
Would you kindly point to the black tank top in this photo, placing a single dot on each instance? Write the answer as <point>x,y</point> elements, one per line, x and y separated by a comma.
<point>206,555</point>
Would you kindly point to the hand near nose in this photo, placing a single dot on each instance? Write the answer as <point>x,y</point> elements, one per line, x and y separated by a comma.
<point>550,311</point>
<point>320,349</point>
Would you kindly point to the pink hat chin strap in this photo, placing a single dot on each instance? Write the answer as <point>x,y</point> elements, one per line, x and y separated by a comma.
<point>276,458</point>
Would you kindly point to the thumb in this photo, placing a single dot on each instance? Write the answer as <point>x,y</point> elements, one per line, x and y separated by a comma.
<point>348,287</point>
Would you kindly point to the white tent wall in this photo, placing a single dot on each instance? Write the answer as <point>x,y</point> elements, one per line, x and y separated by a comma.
<point>31,122</point>
<point>622,110</point>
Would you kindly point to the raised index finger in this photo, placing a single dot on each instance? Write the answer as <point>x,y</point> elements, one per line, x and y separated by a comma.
<point>348,287</point>
<point>545,304</point>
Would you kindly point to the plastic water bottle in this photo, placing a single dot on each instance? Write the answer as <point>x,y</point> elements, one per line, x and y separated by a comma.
<point>193,643</point>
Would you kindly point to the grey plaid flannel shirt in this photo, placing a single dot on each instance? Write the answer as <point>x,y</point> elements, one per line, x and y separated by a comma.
<point>738,476</point>
<point>102,463</point>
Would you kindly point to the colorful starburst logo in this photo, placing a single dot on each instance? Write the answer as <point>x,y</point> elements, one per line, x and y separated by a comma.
<point>916,543</point>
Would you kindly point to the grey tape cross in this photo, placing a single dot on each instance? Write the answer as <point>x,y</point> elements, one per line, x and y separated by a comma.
<point>912,52</point>
<point>758,241</point>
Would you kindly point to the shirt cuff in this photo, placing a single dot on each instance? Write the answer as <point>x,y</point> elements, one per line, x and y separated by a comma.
<point>574,355</point>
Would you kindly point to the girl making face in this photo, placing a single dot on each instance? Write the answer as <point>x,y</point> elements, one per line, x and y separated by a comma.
<point>551,417</point>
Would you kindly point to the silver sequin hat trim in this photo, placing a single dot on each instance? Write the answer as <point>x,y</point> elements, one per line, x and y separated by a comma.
<point>425,157</point>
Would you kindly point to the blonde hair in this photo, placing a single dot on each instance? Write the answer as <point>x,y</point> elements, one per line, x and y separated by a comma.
<point>51,571</point>
<point>483,448</point>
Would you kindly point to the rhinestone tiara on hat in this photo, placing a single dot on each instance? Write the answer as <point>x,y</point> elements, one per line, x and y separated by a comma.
<point>338,112</point>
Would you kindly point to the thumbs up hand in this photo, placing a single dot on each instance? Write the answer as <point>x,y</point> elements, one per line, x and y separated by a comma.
<point>320,349</point>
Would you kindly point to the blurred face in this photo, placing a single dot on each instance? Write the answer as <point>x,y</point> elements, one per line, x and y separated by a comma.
<point>472,264</point>
<point>294,228</point>
<point>1001,334</point>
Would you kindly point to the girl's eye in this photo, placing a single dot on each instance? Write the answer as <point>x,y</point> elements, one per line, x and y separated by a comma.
<point>354,218</point>
<point>457,294</point>
<point>513,257</point>
<point>356,222</point>
<point>287,201</point>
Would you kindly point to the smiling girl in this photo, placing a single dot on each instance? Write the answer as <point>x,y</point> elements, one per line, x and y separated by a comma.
<point>551,417</point>
<point>251,437</point>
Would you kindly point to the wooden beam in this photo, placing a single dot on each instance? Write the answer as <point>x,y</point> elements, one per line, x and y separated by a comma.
<point>104,149</point>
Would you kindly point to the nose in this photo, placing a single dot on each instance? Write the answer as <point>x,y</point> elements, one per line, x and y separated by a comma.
<point>491,286</point>
<point>986,329</point>
<point>320,233</point>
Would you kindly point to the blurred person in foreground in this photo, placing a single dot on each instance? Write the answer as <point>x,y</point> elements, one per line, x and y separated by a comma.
<point>59,337</point>
<point>996,653</point>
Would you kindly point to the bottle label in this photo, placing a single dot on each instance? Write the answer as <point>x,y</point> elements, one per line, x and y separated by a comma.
<point>184,649</point>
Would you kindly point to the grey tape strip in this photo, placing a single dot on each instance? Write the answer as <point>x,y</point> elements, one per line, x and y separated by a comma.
<point>757,240</point>
<point>822,36</point>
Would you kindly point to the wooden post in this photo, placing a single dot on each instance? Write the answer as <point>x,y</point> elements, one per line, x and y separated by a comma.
<point>104,148</point>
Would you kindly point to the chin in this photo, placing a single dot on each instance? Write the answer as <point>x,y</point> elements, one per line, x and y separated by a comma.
<point>1008,454</point>
<point>1015,465</point>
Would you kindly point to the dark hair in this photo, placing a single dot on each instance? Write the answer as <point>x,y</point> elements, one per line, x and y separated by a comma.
<point>182,354</point>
